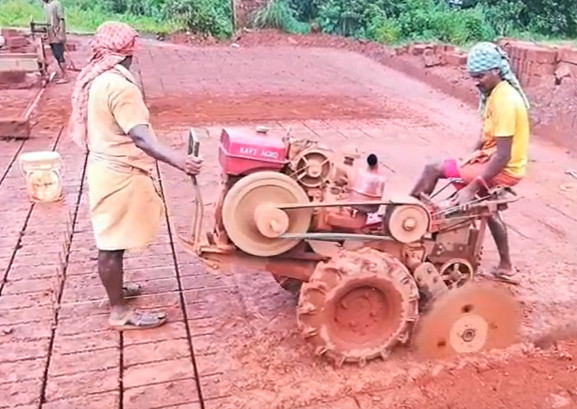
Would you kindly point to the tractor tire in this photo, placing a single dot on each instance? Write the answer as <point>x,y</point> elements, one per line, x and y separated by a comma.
<point>358,306</point>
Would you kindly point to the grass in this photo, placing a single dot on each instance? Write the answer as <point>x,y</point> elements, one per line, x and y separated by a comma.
<point>277,14</point>
<point>18,13</point>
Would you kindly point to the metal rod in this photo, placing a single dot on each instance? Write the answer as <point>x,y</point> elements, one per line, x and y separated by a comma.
<point>33,104</point>
<point>193,149</point>
<point>295,206</point>
<point>335,237</point>
<point>441,189</point>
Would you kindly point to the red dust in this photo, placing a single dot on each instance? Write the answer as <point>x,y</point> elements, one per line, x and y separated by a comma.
<point>202,110</point>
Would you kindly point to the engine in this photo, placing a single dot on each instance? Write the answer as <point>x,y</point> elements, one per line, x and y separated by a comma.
<point>323,175</point>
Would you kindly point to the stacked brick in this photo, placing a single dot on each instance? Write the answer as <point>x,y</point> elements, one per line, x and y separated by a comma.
<point>19,42</point>
<point>15,41</point>
<point>534,64</point>
<point>434,54</point>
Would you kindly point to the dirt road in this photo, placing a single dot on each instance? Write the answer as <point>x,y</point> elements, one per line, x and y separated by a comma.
<point>233,341</point>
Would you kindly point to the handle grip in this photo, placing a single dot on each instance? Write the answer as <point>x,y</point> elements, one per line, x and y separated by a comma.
<point>193,143</point>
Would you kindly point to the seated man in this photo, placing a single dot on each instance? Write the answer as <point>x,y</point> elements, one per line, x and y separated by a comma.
<point>500,156</point>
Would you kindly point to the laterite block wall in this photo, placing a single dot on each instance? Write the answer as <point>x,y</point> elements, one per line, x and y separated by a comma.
<point>534,64</point>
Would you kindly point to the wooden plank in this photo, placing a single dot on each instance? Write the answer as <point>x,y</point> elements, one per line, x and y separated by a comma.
<point>17,55</point>
<point>21,63</point>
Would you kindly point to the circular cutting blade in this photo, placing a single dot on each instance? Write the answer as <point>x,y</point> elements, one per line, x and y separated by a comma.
<point>469,319</point>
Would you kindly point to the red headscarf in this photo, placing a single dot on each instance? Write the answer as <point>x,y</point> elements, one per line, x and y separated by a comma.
<point>112,43</point>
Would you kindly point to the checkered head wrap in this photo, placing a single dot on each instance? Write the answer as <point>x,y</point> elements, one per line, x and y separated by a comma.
<point>487,56</point>
<point>112,43</point>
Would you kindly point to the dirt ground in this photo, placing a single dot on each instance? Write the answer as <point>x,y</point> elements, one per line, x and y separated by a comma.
<point>232,340</point>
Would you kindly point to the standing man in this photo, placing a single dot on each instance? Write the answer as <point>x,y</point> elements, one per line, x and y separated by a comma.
<point>109,118</point>
<point>500,156</point>
<point>56,34</point>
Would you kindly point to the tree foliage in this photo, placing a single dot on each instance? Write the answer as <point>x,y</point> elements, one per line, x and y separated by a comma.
<point>207,17</point>
<point>401,20</point>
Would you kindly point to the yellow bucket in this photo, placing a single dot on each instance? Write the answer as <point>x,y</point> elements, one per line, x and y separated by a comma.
<point>43,173</point>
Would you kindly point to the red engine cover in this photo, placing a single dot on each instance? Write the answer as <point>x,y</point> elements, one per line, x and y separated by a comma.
<point>243,150</point>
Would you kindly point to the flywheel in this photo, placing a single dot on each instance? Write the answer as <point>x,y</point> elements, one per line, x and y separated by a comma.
<point>469,319</point>
<point>252,220</point>
<point>358,306</point>
<point>313,167</point>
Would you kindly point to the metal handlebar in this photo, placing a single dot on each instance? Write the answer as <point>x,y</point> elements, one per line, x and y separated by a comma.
<point>193,143</point>
<point>194,149</point>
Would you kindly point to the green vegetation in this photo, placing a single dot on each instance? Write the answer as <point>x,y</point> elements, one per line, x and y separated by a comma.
<point>398,21</point>
<point>386,21</point>
<point>205,17</point>
<point>279,15</point>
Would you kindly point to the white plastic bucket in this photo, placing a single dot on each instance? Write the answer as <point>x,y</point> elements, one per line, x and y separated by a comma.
<point>43,173</point>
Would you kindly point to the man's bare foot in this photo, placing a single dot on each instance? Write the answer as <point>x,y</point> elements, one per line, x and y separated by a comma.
<point>123,319</point>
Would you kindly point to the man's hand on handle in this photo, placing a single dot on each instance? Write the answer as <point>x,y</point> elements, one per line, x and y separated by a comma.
<point>192,165</point>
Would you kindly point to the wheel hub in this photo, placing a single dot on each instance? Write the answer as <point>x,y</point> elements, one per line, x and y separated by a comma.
<point>469,334</point>
<point>361,312</point>
<point>409,224</point>
<point>315,169</point>
<point>271,221</point>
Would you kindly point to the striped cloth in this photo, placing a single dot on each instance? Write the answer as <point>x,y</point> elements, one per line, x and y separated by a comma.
<point>486,56</point>
<point>112,43</point>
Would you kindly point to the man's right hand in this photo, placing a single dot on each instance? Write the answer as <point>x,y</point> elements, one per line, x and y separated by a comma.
<point>142,138</point>
<point>192,165</point>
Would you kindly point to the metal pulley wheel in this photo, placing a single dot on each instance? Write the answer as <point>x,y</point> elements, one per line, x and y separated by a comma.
<point>469,319</point>
<point>407,223</point>
<point>252,219</point>
<point>456,272</point>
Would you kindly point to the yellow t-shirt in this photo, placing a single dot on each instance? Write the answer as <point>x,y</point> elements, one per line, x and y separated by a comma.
<point>506,116</point>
